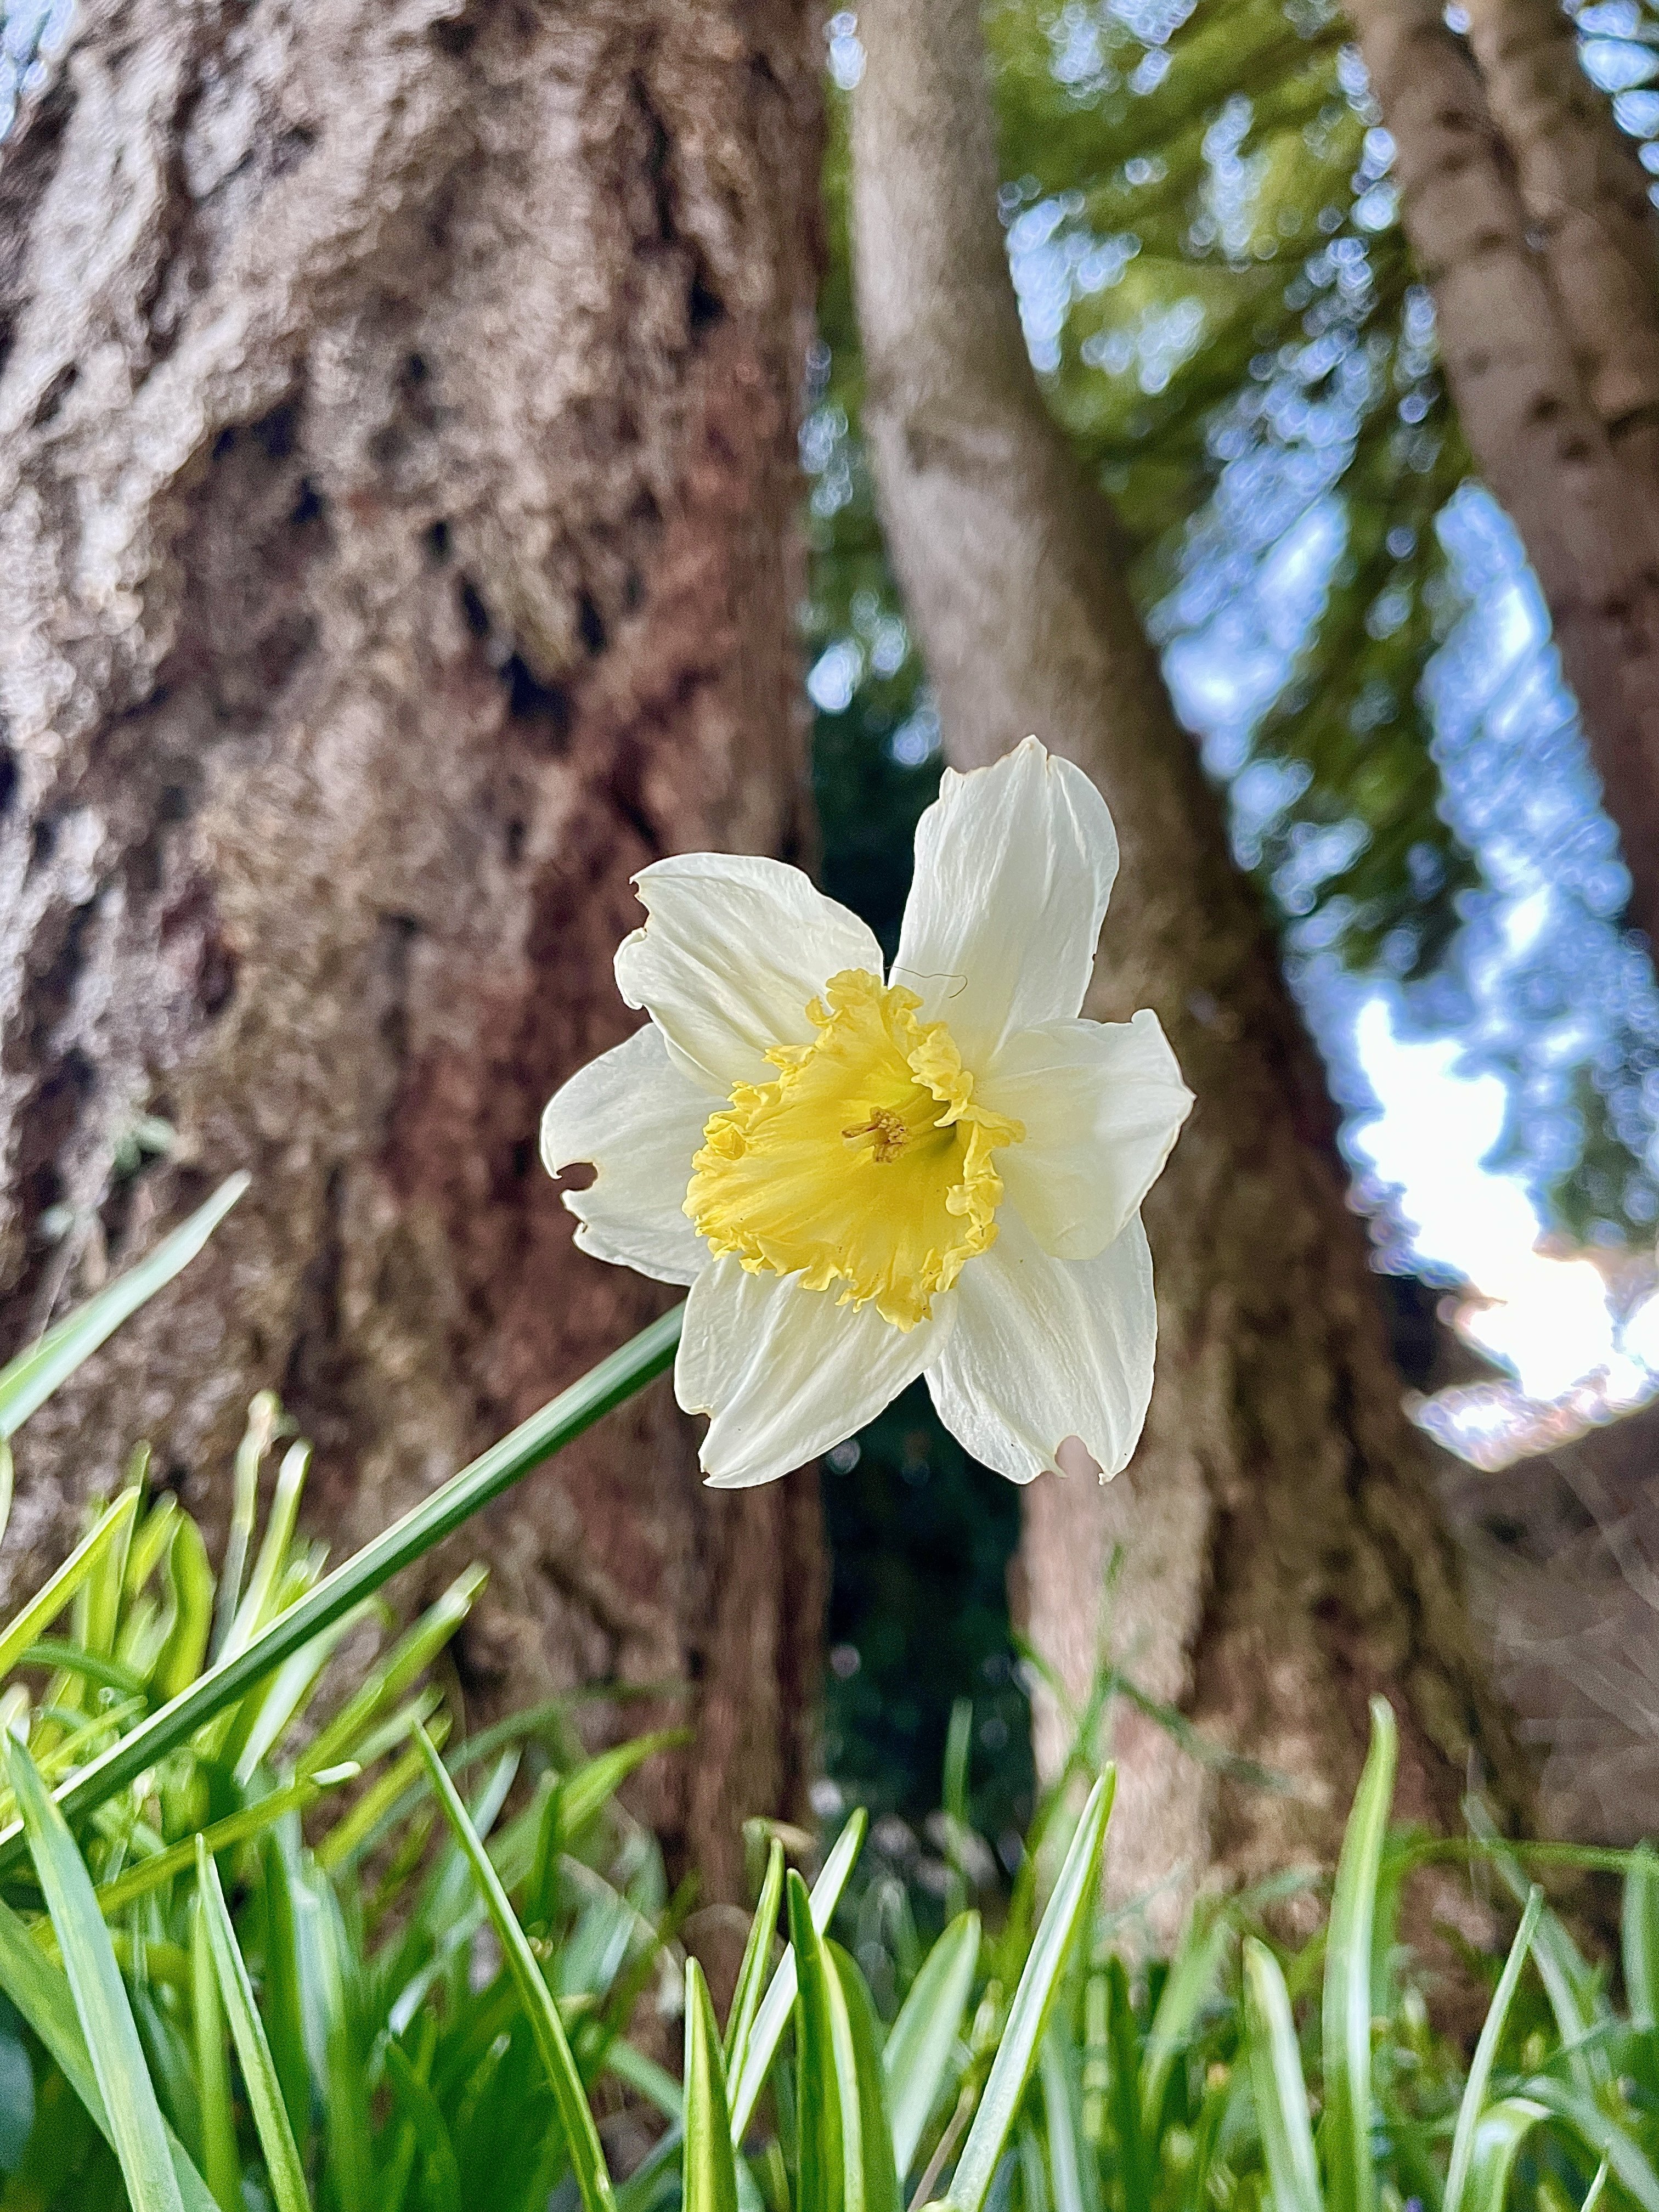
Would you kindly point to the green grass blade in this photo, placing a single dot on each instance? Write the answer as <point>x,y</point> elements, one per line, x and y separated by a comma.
<point>147,1874</point>
<point>654,2083</point>
<point>1639,1930</point>
<point>819,2151</point>
<point>386,1680</point>
<point>290,1689</point>
<point>1593,2194</point>
<point>7,1472</point>
<point>441,2175</point>
<point>1125,2092</point>
<point>1568,1981</point>
<point>1068,1909</point>
<point>1194,1976</point>
<point>918,2047</point>
<point>710,2169</point>
<point>756,1963</point>
<point>189,1573</point>
<point>284,1984</point>
<point>1602,2135</point>
<point>259,1604</point>
<point>222,2164</point>
<point>871,2177</point>
<point>262,1418</point>
<point>137,2129</point>
<point>780,1999</point>
<point>1276,2082</point>
<point>58,1651</point>
<point>41,1991</point>
<point>586,2155</point>
<point>568,1415</point>
<point>404,1778</point>
<point>1502,2129</point>
<point>264,2094</point>
<point>43,1608</point>
<point>1350,2170</point>
<point>1075,2178</point>
<point>98,1601</point>
<point>31,1378</point>
<point>1485,2051</point>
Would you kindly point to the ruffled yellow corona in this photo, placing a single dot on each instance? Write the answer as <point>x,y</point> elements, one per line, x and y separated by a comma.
<point>866,1164</point>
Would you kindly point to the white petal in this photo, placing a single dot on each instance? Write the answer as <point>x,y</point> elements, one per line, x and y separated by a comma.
<point>639,1120</point>
<point>1044,1350</point>
<point>786,1372</point>
<point>1014,865</point>
<point>735,949</point>
<point>1102,1103</point>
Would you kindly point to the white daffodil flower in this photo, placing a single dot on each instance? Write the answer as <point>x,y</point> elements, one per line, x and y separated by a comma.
<point>864,1181</point>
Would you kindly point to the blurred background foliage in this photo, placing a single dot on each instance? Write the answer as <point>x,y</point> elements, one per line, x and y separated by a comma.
<point>1216,291</point>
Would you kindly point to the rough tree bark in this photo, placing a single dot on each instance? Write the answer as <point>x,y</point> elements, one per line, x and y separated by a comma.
<point>1586,197</point>
<point>397,469</point>
<point>1281,1555</point>
<point>1530,220</point>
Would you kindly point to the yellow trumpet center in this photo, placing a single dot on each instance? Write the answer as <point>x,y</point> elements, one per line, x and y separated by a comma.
<point>866,1164</point>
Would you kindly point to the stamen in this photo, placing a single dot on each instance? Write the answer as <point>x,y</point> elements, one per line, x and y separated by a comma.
<point>888,1129</point>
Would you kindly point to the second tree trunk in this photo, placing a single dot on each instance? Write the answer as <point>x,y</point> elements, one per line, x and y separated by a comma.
<point>1273,1555</point>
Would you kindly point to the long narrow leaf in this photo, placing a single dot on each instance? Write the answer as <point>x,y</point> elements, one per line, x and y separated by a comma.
<point>41,1993</point>
<point>756,1963</point>
<point>567,1416</point>
<point>190,1574</point>
<point>1350,2173</point>
<point>1639,1929</point>
<point>441,2175</point>
<point>261,1601</point>
<point>32,1377</point>
<point>387,1680</point>
<point>137,2129</point>
<point>779,2001</point>
<point>918,2047</point>
<point>1631,2168</point>
<point>711,2181</point>
<point>222,2164</point>
<point>819,2150</point>
<point>1067,1909</point>
<point>291,1686</point>
<point>263,1416</point>
<point>1280,2092</point>
<point>264,2093</point>
<point>1194,1976</point>
<point>44,1608</point>
<point>1485,2051</point>
<point>870,2178</point>
<point>1075,2178</point>
<point>1568,1981</point>
<point>149,1873</point>
<point>1499,2135</point>
<point>646,2186</point>
<point>587,2155</point>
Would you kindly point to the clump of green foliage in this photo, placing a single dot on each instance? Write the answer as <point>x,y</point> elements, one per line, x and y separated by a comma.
<point>251,1960</point>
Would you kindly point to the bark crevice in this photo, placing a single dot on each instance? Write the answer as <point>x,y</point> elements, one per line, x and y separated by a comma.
<point>412,558</point>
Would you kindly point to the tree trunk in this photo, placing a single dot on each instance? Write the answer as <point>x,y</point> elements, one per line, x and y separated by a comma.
<point>1280,1553</point>
<point>396,429</point>
<point>1518,202</point>
<point>1586,198</point>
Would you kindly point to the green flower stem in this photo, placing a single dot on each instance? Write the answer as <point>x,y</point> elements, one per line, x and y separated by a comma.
<point>602,1388</point>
